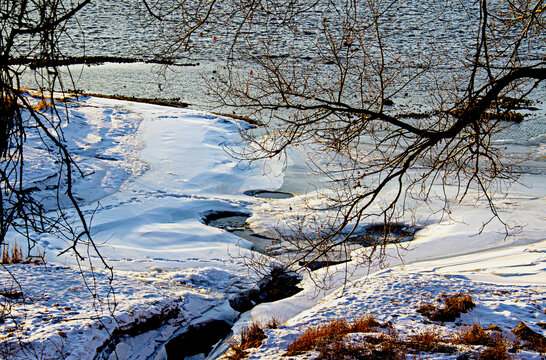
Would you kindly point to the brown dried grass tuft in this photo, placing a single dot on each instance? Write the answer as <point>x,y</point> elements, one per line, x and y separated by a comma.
<point>236,354</point>
<point>425,341</point>
<point>15,256</point>
<point>533,340</point>
<point>329,338</point>
<point>251,336</point>
<point>364,324</point>
<point>474,335</point>
<point>316,336</point>
<point>497,349</point>
<point>387,346</point>
<point>342,350</point>
<point>452,308</point>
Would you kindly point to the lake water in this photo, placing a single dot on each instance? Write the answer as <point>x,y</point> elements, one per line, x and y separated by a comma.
<point>109,28</point>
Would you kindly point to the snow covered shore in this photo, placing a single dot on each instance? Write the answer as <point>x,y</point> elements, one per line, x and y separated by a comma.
<point>159,170</point>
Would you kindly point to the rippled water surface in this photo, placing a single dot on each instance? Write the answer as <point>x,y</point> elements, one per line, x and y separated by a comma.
<point>110,27</point>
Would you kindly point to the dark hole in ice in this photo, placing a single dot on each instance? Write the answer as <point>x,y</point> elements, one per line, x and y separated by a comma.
<point>235,222</point>
<point>279,284</point>
<point>319,264</point>
<point>381,233</point>
<point>227,220</point>
<point>198,339</point>
<point>265,194</point>
<point>371,235</point>
<point>105,157</point>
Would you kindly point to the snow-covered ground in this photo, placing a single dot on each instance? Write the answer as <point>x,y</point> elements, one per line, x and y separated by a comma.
<point>157,171</point>
<point>394,296</point>
<point>505,276</point>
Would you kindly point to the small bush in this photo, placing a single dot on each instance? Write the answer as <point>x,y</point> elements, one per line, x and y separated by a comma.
<point>452,308</point>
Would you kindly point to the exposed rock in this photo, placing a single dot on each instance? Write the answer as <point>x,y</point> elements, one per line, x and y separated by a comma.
<point>241,303</point>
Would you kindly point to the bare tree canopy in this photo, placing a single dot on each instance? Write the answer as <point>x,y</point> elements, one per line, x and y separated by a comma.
<point>403,94</point>
<point>384,94</point>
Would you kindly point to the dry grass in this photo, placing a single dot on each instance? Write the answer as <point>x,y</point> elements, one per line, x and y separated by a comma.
<point>365,324</point>
<point>452,308</point>
<point>386,346</point>
<point>497,350</point>
<point>251,336</point>
<point>342,350</point>
<point>425,341</point>
<point>317,336</point>
<point>8,103</point>
<point>329,340</point>
<point>474,335</point>
<point>236,354</point>
<point>497,344</point>
<point>533,340</point>
<point>15,256</point>
<point>43,105</point>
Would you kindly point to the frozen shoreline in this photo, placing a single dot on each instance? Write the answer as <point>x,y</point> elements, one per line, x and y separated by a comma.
<point>149,223</point>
